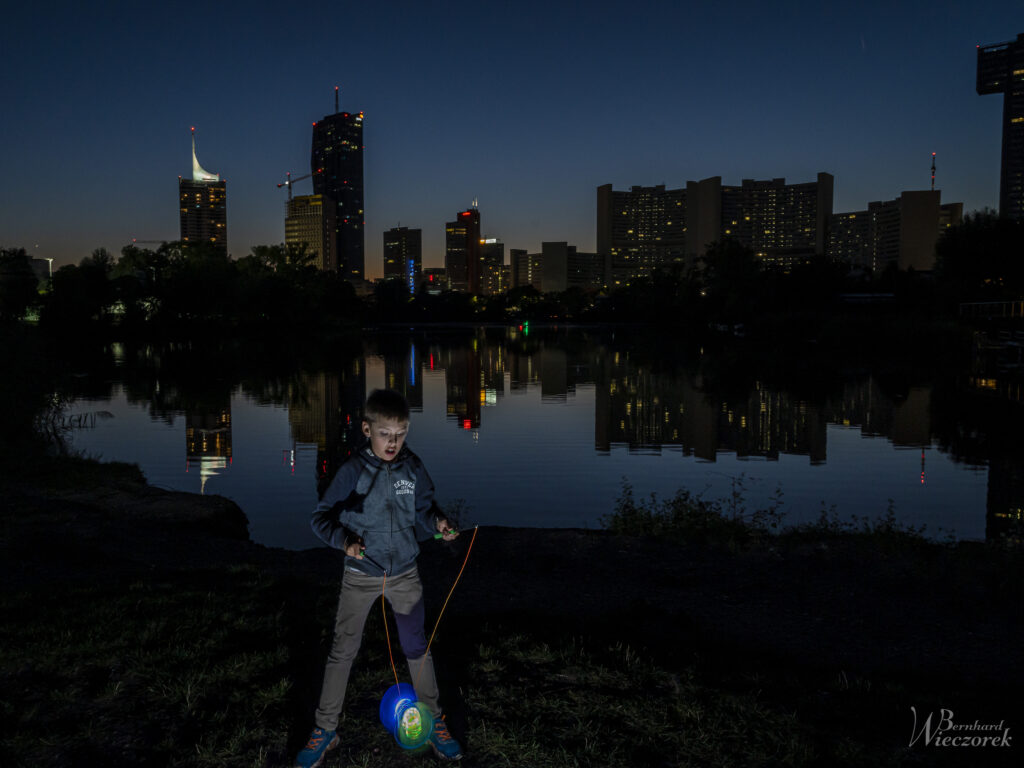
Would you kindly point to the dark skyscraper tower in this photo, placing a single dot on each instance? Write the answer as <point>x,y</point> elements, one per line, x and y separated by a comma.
<point>1001,70</point>
<point>337,167</point>
<point>202,206</point>
<point>462,251</point>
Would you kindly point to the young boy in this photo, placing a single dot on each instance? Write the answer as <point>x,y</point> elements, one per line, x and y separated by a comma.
<point>377,506</point>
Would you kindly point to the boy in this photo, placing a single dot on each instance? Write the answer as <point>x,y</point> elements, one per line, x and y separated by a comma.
<point>379,503</point>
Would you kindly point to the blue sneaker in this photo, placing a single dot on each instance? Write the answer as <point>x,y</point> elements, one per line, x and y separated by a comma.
<point>442,742</point>
<point>320,743</point>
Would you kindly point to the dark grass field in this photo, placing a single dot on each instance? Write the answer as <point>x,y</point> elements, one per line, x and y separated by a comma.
<point>141,628</point>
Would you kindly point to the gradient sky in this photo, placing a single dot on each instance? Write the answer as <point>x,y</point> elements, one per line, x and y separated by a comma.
<point>525,106</point>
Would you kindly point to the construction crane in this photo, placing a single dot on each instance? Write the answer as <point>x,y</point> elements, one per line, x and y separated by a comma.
<point>289,181</point>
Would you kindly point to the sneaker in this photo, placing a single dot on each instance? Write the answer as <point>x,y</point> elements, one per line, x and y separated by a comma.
<point>320,743</point>
<point>442,742</point>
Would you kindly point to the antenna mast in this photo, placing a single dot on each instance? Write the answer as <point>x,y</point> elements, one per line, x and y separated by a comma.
<point>335,99</point>
<point>933,171</point>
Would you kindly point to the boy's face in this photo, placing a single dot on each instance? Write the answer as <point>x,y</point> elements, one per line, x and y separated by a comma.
<point>386,437</point>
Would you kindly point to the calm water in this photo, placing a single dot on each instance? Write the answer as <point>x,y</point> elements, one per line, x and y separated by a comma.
<point>540,430</point>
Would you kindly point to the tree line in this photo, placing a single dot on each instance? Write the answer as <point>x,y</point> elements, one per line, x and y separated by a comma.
<point>184,289</point>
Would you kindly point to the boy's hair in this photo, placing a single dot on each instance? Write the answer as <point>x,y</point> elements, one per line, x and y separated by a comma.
<point>385,404</point>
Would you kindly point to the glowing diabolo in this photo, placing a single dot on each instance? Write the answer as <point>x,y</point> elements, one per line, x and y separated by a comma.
<point>409,720</point>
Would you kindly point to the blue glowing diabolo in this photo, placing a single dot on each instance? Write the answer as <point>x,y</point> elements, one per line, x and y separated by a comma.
<point>408,720</point>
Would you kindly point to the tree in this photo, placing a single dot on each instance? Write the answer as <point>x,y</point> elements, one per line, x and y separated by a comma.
<point>732,281</point>
<point>19,287</point>
<point>982,258</point>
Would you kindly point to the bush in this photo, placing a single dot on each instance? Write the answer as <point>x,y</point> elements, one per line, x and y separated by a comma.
<point>690,517</point>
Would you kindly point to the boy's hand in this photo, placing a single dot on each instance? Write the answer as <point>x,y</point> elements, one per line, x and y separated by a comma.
<point>355,549</point>
<point>447,532</point>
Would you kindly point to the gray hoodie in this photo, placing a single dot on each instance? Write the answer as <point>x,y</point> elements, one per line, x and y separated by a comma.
<point>388,504</point>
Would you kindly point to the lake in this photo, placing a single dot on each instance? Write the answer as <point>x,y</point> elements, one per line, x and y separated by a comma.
<point>542,427</point>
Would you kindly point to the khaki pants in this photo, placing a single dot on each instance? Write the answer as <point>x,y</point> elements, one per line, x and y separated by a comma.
<point>359,593</point>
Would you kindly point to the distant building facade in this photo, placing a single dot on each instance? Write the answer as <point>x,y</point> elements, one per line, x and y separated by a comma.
<point>435,280</point>
<point>202,206</point>
<point>1001,70</point>
<point>784,224</point>
<point>557,268</point>
<point>337,166</point>
<point>462,251</point>
<point>640,230</point>
<point>902,233</point>
<point>309,222</point>
<point>403,256</point>
<point>652,227</point>
<point>492,262</point>
<point>525,268</point>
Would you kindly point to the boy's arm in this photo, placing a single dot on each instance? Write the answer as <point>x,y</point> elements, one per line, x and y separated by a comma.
<point>430,518</point>
<point>427,511</point>
<point>340,495</point>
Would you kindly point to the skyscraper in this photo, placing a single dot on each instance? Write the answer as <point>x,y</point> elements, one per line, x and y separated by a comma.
<point>462,251</point>
<point>202,206</point>
<point>403,255</point>
<point>309,222</point>
<point>1001,70</point>
<point>337,166</point>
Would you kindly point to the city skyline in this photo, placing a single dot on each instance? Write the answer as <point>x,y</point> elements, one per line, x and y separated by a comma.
<point>553,102</point>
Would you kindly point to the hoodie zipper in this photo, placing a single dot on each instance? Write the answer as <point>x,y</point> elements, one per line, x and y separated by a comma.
<point>391,521</point>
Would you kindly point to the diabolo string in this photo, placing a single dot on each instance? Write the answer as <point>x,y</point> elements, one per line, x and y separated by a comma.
<point>387,633</point>
<point>441,612</point>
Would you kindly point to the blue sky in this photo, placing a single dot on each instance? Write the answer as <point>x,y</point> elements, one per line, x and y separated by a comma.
<point>526,107</point>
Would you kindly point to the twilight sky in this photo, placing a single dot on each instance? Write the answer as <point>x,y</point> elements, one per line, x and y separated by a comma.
<point>526,106</point>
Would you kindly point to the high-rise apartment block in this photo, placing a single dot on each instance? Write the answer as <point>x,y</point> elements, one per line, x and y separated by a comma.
<point>1001,70</point>
<point>462,251</point>
<point>403,256</point>
<point>492,262</point>
<point>784,224</point>
<point>640,230</point>
<point>651,227</point>
<point>901,232</point>
<point>337,167</point>
<point>202,206</point>
<point>309,222</point>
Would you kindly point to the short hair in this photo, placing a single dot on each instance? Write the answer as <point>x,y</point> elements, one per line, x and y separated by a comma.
<point>386,404</point>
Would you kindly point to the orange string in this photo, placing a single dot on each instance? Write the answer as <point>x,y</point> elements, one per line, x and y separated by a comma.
<point>441,613</point>
<point>387,634</point>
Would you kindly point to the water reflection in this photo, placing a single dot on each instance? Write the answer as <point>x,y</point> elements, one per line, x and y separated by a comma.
<point>688,403</point>
<point>208,441</point>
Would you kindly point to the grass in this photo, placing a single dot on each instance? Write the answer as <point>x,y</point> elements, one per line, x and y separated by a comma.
<point>220,668</point>
<point>190,672</point>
